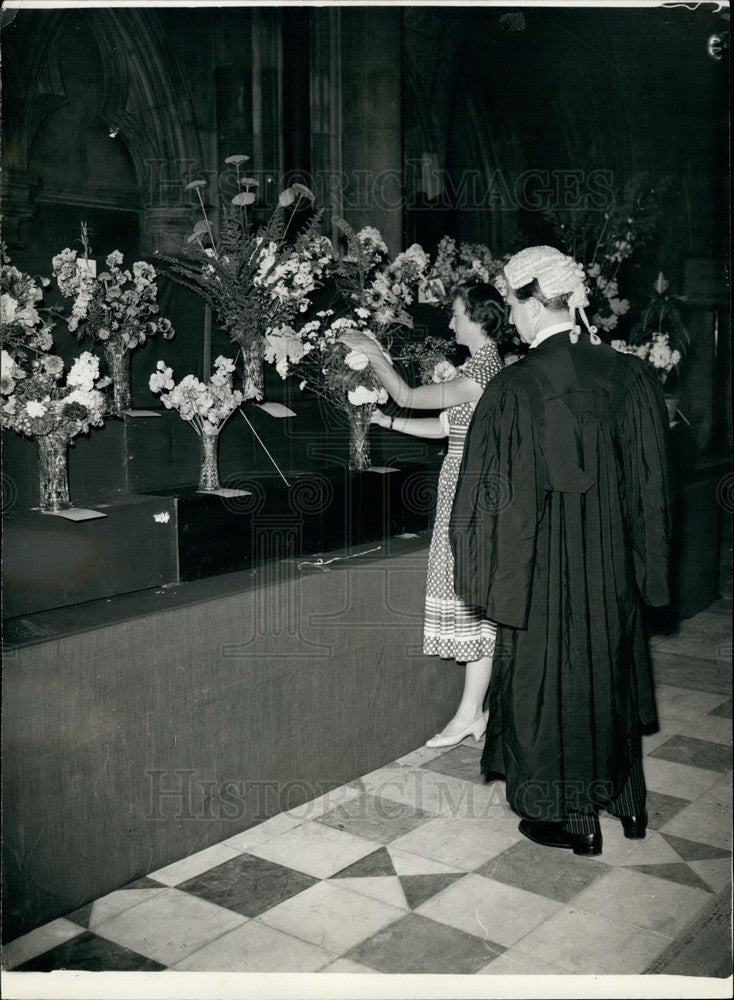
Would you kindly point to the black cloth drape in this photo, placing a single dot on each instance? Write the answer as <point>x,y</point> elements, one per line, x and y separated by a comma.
<point>560,530</point>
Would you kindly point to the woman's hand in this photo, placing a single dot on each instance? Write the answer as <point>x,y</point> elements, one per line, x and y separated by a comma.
<point>360,342</point>
<point>380,418</point>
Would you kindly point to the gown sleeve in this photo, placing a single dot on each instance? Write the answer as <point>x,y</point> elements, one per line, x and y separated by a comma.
<point>643,436</point>
<point>499,501</point>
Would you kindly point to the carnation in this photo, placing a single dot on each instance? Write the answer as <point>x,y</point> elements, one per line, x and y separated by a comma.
<point>35,409</point>
<point>357,361</point>
<point>362,396</point>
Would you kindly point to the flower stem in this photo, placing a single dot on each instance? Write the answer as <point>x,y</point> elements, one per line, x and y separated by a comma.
<point>206,219</point>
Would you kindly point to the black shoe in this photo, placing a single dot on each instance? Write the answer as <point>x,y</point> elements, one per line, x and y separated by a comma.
<point>554,835</point>
<point>635,826</point>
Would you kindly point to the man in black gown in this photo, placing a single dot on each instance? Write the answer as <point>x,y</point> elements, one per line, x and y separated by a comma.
<point>560,530</point>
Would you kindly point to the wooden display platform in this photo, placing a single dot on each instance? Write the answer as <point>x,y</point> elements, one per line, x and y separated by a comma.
<point>180,534</point>
<point>141,730</point>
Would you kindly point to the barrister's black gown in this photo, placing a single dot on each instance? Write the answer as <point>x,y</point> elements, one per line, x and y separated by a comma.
<point>559,529</point>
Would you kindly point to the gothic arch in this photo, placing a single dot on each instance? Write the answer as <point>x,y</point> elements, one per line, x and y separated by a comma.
<point>144,95</point>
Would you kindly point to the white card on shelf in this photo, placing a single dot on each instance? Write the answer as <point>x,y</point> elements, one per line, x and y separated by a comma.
<point>142,413</point>
<point>226,491</point>
<point>382,468</point>
<point>76,514</point>
<point>276,409</point>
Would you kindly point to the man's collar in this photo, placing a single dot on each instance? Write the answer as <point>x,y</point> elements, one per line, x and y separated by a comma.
<point>549,331</point>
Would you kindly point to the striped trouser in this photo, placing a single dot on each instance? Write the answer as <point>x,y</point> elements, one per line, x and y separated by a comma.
<point>629,802</point>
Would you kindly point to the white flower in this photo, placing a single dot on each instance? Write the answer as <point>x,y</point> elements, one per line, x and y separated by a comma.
<point>619,306</point>
<point>35,409</point>
<point>282,367</point>
<point>8,308</point>
<point>7,365</point>
<point>622,346</point>
<point>84,372</point>
<point>161,379</point>
<point>372,238</point>
<point>443,371</point>
<point>356,360</point>
<point>224,365</point>
<point>361,396</point>
<point>86,397</point>
<point>163,518</point>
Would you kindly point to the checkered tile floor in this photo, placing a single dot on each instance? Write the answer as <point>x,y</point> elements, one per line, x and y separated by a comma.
<point>419,867</point>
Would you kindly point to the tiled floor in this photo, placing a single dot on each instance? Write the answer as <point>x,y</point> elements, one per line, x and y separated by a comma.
<point>419,867</point>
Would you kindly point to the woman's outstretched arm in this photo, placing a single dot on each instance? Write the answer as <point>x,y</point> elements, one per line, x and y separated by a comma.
<point>423,397</point>
<point>423,427</point>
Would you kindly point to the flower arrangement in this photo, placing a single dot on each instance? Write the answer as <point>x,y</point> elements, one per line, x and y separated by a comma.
<point>23,330</point>
<point>603,240</point>
<point>116,308</point>
<point>430,358</point>
<point>36,403</point>
<point>657,351</point>
<point>459,264</point>
<point>659,335</point>
<point>253,278</point>
<point>207,406</point>
<point>373,294</point>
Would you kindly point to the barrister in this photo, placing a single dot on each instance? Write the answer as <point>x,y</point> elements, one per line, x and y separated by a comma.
<point>560,531</point>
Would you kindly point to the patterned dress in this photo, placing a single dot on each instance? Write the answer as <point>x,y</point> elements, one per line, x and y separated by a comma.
<point>452,629</point>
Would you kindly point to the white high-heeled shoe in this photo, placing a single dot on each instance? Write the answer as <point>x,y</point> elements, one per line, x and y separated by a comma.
<point>476,729</point>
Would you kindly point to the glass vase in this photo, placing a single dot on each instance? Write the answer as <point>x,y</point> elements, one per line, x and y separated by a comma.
<point>671,401</point>
<point>53,472</point>
<point>209,470</point>
<point>359,443</point>
<point>118,363</point>
<point>253,382</point>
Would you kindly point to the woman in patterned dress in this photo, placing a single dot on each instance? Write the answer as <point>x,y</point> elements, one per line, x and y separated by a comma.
<point>452,629</point>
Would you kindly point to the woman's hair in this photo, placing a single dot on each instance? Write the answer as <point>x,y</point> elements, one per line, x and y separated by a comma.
<point>559,303</point>
<point>485,305</point>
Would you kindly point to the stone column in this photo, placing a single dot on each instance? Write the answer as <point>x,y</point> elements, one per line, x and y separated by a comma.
<point>371,135</point>
<point>326,126</point>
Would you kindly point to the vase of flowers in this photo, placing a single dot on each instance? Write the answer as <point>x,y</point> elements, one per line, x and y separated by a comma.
<point>603,239</point>
<point>209,467</point>
<point>36,401</point>
<point>659,337</point>
<point>118,365</point>
<point>253,278</point>
<point>360,418</point>
<point>116,308</point>
<point>457,264</point>
<point>372,296</point>
<point>37,405</point>
<point>207,406</point>
<point>53,472</point>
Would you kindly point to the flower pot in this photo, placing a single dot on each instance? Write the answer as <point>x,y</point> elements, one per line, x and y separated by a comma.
<point>209,470</point>
<point>53,472</point>
<point>118,362</point>
<point>359,445</point>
